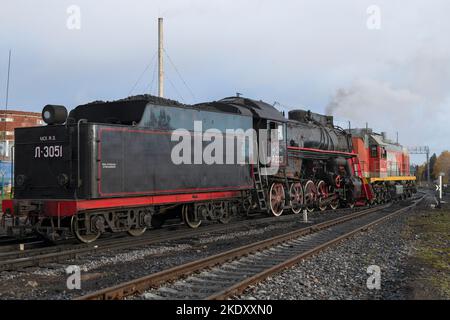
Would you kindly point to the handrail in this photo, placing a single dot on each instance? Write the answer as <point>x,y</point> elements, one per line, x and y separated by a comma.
<point>78,151</point>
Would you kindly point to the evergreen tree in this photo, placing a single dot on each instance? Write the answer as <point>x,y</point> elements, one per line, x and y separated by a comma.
<point>433,160</point>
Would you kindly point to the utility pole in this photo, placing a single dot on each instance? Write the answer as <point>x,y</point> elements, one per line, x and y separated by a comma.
<point>160,59</point>
<point>5,146</point>
<point>7,81</point>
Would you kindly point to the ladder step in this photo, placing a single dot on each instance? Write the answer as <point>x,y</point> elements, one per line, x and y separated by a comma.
<point>259,186</point>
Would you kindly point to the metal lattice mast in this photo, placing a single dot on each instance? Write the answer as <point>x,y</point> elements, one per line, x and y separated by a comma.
<point>423,150</point>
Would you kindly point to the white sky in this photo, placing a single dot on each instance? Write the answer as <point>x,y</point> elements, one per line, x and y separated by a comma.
<point>299,53</point>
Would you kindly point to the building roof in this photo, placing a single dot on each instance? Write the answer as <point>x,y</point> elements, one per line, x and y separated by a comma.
<point>18,112</point>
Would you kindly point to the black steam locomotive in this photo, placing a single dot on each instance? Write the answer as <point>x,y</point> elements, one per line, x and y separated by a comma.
<point>109,166</point>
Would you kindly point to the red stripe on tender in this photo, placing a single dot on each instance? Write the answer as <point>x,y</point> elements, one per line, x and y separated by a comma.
<point>71,207</point>
<point>176,190</point>
<point>322,151</point>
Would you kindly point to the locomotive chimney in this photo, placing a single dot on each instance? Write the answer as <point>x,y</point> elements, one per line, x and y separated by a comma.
<point>160,59</point>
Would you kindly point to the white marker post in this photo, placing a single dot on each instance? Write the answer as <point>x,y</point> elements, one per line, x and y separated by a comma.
<point>440,184</point>
<point>439,190</point>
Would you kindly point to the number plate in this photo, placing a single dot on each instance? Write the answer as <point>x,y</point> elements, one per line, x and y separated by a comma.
<point>55,151</point>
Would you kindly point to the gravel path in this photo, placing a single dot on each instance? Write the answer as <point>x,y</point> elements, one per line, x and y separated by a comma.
<point>340,272</point>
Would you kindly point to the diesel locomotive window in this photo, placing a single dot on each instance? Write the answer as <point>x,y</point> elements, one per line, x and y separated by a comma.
<point>373,151</point>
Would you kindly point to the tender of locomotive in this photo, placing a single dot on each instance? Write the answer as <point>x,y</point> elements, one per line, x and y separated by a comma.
<point>108,167</point>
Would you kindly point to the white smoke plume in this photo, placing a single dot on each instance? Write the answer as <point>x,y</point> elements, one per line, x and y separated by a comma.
<point>414,106</point>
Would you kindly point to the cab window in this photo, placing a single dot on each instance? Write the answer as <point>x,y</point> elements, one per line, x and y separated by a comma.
<point>374,151</point>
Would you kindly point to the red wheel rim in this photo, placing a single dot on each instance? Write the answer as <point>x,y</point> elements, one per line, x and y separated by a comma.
<point>310,195</point>
<point>277,199</point>
<point>322,190</point>
<point>296,196</point>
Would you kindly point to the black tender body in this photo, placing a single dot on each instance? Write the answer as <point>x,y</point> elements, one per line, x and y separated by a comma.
<point>123,149</point>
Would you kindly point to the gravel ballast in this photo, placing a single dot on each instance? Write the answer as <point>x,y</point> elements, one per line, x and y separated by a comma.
<point>340,272</point>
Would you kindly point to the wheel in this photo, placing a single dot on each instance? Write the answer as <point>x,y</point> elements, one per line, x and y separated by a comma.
<point>296,197</point>
<point>322,193</point>
<point>78,227</point>
<point>42,230</point>
<point>335,203</point>
<point>229,213</point>
<point>380,198</point>
<point>310,192</point>
<point>225,217</point>
<point>136,232</point>
<point>247,205</point>
<point>277,199</point>
<point>189,217</point>
<point>339,180</point>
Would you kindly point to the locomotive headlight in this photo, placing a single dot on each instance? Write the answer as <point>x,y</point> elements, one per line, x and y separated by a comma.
<point>53,114</point>
<point>20,180</point>
<point>46,115</point>
<point>63,179</point>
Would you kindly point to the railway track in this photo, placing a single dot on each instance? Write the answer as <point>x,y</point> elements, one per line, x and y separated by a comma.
<point>7,240</point>
<point>39,256</point>
<point>229,273</point>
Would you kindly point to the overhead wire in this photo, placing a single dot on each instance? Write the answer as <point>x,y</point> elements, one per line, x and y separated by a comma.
<point>175,89</point>
<point>142,74</point>
<point>179,74</point>
<point>150,88</point>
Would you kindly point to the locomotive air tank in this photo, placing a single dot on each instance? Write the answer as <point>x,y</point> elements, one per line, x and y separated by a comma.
<point>311,130</point>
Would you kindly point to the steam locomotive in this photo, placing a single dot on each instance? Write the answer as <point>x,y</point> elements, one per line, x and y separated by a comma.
<point>109,166</point>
